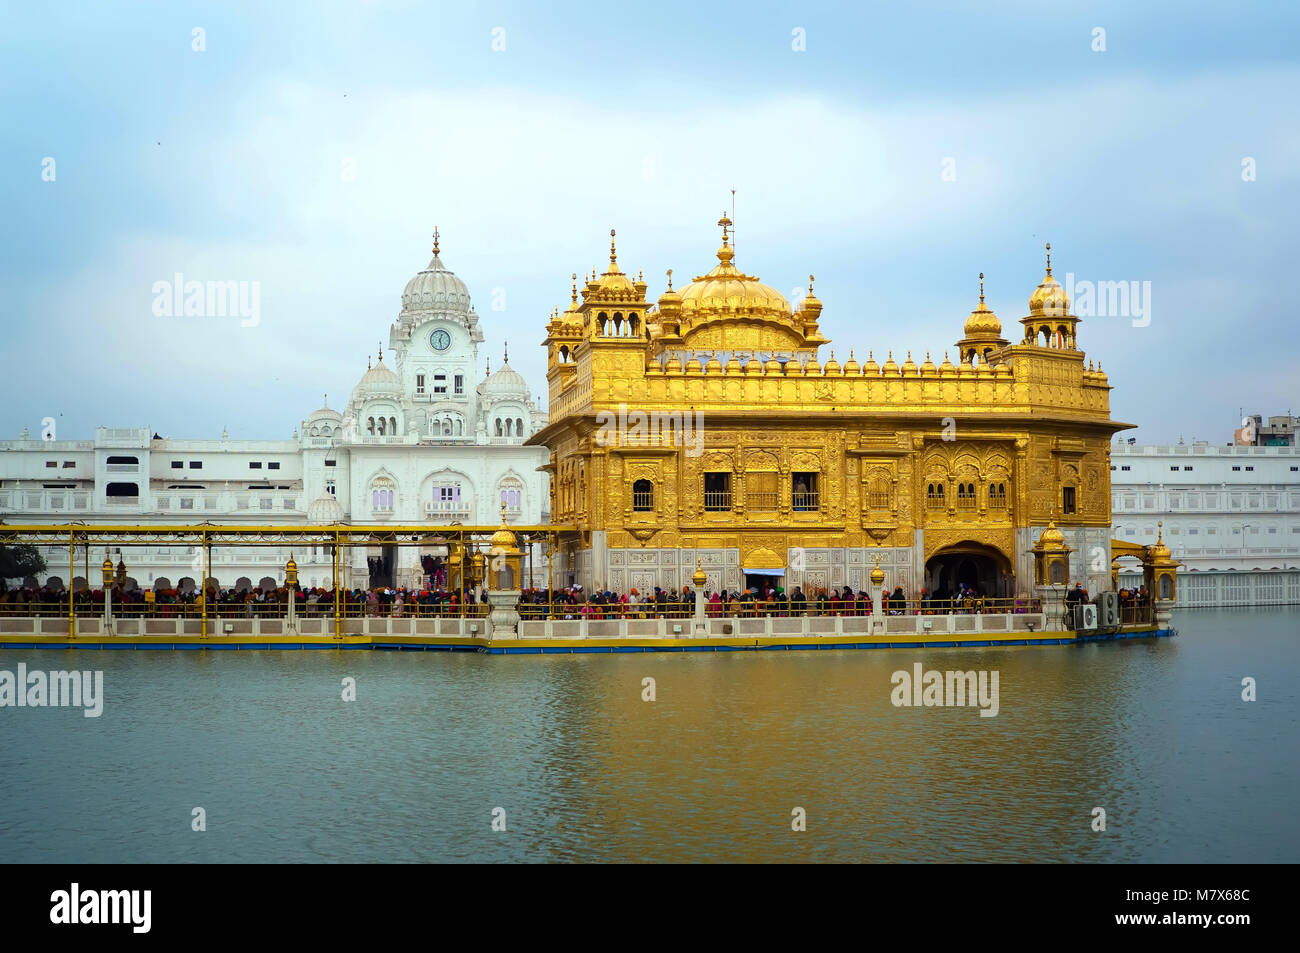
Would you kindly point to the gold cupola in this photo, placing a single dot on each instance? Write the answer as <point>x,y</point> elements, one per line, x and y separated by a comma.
<point>727,309</point>
<point>982,333</point>
<point>1049,322</point>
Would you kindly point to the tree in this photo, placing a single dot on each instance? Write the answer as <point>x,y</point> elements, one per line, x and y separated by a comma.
<point>19,562</point>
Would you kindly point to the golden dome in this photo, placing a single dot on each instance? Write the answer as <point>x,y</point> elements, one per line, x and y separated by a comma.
<point>877,574</point>
<point>852,366</point>
<point>890,369</point>
<point>982,321</point>
<point>699,578</point>
<point>947,367</point>
<point>670,301</point>
<point>1160,550</point>
<point>871,368</point>
<point>909,368</point>
<point>1049,297</point>
<point>726,289</point>
<point>613,283</point>
<point>1052,537</point>
<point>714,366</point>
<point>832,366</point>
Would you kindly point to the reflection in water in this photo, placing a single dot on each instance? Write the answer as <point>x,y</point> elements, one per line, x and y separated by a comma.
<point>1155,732</point>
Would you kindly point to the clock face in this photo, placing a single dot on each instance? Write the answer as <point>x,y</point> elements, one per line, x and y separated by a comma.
<point>440,340</point>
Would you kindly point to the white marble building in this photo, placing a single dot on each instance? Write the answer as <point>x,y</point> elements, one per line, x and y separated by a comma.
<point>1231,515</point>
<point>421,439</point>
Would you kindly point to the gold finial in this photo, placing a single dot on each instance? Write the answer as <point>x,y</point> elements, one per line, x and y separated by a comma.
<point>909,353</point>
<point>927,357</point>
<point>670,279</point>
<point>725,223</point>
<point>506,359</point>
<point>1160,531</point>
<point>871,355</point>
<point>1049,258</point>
<point>810,284</point>
<point>850,354</point>
<point>612,256</point>
<point>981,287</point>
<point>488,373</point>
<point>503,513</point>
<point>381,352</point>
<point>638,276</point>
<point>367,362</point>
<point>574,294</point>
<point>435,239</point>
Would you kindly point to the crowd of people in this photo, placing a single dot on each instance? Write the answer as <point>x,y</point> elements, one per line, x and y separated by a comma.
<point>569,602</point>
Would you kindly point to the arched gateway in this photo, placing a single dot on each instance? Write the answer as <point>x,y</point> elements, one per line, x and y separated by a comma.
<point>986,569</point>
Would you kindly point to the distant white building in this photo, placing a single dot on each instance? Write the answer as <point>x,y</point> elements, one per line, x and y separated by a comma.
<point>420,440</point>
<point>1231,515</point>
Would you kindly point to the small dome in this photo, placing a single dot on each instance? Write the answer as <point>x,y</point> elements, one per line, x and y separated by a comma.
<point>982,321</point>
<point>1052,537</point>
<point>928,368</point>
<point>1049,297</point>
<point>890,369</point>
<point>909,367</point>
<point>832,366</point>
<point>324,509</point>
<point>379,381</point>
<point>852,366</point>
<point>505,382</point>
<point>947,367</point>
<point>714,366</point>
<point>871,368</point>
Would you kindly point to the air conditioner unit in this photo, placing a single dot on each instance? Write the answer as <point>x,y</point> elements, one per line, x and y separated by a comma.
<point>1085,616</point>
<point>1107,606</point>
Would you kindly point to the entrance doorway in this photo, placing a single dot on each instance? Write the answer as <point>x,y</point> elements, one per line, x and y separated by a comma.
<point>983,569</point>
<point>758,581</point>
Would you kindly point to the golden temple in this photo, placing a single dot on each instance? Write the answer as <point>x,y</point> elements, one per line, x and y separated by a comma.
<point>706,427</point>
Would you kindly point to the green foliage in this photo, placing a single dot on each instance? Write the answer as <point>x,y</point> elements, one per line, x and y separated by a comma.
<point>18,562</point>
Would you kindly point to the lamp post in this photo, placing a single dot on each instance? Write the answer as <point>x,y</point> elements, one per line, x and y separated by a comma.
<point>700,579</point>
<point>291,583</point>
<point>108,594</point>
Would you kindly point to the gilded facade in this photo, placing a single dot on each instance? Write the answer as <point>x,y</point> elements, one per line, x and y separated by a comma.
<point>716,425</point>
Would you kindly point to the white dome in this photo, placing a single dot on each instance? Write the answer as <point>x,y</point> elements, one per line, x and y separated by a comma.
<point>324,509</point>
<point>379,381</point>
<point>435,289</point>
<point>505,382</point>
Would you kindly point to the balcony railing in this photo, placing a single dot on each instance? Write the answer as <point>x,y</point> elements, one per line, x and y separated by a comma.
<point>763,501</point>
<point>717,501</point>
<point>802,502</point>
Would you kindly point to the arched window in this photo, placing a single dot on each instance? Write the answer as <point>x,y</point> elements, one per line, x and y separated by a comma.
<point>392,426</point>
<point>383,426</point>
<point>460,427</point>
<point>315,431</point>
<point>643,496</point>
<point>510,427</point>
<point>519,426</point>
<point>370,426</point>
<point>499,427</point>
<point>998,496</point>
<point>934,496</point>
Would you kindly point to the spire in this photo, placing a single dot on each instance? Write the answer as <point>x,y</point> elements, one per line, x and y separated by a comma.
<point>613,257</point>
<point>574,294</point>
<point>435,240</point>
<point>488,372</point>
<point>1049,258</point>
<point>810,284</point>
<point>326,404</point>
<point>982,287</point>
<point>381,352</point>
<point>506,358</point>
<point>670,279</point>
<point>725,223</point>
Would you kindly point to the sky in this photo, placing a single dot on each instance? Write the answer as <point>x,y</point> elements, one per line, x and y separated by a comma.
<point>895,151</point>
